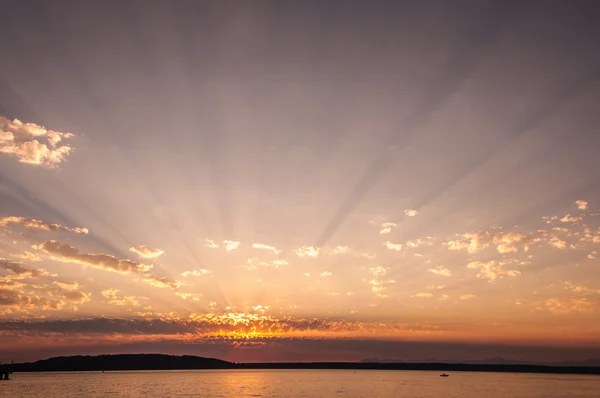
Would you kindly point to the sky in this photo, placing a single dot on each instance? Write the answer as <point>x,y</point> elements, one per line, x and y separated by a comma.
<point>300,181</point>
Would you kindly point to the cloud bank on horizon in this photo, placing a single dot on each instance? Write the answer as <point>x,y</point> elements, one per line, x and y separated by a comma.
<point>291,186</point>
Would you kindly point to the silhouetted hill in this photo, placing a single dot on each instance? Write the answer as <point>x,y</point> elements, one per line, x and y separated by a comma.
<point>122,362</point>
<point>170,362</point>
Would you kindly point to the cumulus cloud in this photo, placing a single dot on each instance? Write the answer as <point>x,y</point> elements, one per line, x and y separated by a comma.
<point>32,143</point>
<point>393,246</point>
<point>440,270</point>
<point>147,252</point>
<point>52,298</point>
<point>467,296</point>
<point>230,245</point>
<point>410,212</point>
<point>592,255</point>
<point>386,228</point>
<point>211,244</point>
<point>581,204</point>
<point>557,243</point>
<point>270,248</point>
<point>307,251</point>
<point>492,270</point>
<point>571,219</point>
<point>325,274</point>
<point>37,224</point>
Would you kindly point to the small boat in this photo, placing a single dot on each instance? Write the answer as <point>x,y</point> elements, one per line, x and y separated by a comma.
<point>444,375</point>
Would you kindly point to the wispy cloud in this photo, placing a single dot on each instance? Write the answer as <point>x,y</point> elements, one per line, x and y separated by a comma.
<point>32,143</point>
<point>270,248</point>
<point>467,296</point>
<point>440,270</point>
<point>200,272</point>
<point>147,252</point>
<point>410,212</point>
<point>581,204</point>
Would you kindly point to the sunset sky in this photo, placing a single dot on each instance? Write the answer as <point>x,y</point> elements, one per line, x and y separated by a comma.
<point>300,180</point>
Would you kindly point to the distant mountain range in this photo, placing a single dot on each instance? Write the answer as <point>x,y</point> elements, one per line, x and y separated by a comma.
<point>172,362</point>
<point>490,361</point>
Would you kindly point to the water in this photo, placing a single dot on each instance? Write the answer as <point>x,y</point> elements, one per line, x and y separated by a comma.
<point>299,383</point>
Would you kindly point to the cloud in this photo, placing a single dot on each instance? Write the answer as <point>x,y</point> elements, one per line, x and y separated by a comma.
<point>37,224</point>
<point>19,271</point>
<point>270,248</point>
<point>230,245</point>
<point>581,204</point>
<point>211,244</point>
<point>27,256</point>
<point>440,270</point>
<point>393,246</point>
<point>307,251</point>
<point>492,270</point>
<point>379,286</point>
<point>52,298</point>
<point>198,327</point>
<point>561,306</point>
<point>116,299</point>
<point>32,143</point>
<point>558,243</point>
<point>505,242</point>
<point>69,254</point>
<point>571,219</point>
<point>467,296</point>
<point>386,228</point>
<point>592,255</point>
<point>200,272</point>
<point>147,252</point>
<point>325,274</point>
<point>410,212</point>
<point>348,250</point>
<point>428,241</point>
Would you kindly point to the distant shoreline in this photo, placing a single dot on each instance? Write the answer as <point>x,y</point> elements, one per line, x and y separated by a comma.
<point>171,362</point>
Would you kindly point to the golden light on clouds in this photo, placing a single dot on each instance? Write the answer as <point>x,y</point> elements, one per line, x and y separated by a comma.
<point>33,144</point>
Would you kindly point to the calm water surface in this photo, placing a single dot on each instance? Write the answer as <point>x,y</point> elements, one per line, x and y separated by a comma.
<point>299,383</point>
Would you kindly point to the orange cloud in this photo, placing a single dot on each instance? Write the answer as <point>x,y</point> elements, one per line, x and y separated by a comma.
<point>147,252</point>
<point>37,224</point>
<point>32,143</point>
